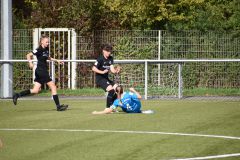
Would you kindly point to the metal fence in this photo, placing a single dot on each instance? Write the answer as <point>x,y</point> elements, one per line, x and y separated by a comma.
<point>154,45</point>
<point>22,44</point>
<point>160,45</point>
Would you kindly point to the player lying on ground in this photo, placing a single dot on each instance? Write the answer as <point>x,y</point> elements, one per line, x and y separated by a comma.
<point>129,102</point>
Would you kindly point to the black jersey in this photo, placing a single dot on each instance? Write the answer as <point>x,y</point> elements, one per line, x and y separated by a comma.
<point>41,73</point>
<point>42,55</point>
<point>102,64</point>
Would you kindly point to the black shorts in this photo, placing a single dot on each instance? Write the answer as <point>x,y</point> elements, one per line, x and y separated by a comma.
<point>42,77</point>
<point>104,83</point>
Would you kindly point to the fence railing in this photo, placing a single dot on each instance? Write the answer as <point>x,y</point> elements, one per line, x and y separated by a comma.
<point>155,78</point>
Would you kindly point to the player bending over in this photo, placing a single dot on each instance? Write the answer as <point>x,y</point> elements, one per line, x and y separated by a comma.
<point>129,102</point>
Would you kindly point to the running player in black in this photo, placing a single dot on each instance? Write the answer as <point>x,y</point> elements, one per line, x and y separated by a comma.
<point>102,66</point>
<point>41,73</point>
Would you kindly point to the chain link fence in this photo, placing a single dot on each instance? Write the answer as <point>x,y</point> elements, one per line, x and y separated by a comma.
<point>22,44</point>
<point>199,78</point>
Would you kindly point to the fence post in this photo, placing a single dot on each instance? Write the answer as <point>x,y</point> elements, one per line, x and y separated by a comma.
<point>146,79</point>
<point>180,83</point>
<point>6,89</point>
<point>36,38</point>
<point>159,56</point>
<point>74,57</point>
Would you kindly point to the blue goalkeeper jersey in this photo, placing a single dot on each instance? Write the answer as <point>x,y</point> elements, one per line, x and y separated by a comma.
<point>129,103</point>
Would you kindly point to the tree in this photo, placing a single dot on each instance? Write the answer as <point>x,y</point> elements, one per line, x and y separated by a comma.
<point>143,14</point>
<point>21,10</point>
<point>89,15</point>
<point>210,15</point>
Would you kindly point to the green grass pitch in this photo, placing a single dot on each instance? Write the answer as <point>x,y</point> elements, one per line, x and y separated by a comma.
<point>78,135</point>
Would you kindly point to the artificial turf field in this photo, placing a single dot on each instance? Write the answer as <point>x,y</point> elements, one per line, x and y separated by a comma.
<point>178,129</point>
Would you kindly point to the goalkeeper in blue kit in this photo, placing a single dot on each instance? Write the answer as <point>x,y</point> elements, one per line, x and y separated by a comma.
<point>129,102</point>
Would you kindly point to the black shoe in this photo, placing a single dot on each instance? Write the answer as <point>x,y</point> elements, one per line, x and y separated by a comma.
<point>15,97</point>
<point>62,107</point>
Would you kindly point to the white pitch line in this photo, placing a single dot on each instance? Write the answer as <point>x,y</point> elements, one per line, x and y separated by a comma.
<point>116,131</point>
<point>211,157</point>
<point>139,132</point>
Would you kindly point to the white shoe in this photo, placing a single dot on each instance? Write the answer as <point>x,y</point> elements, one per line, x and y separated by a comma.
<point>148,112</point>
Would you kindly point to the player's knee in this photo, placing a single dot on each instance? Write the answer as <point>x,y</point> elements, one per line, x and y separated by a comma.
<point>54,88</point>
<point>115,86</point>
<point>109,88</point>
<point>35,91</point>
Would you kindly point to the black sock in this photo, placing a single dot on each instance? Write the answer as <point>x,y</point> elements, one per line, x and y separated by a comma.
<point>110,98</point>
<point>24,93</point>
<point>56,100</point>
